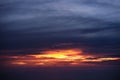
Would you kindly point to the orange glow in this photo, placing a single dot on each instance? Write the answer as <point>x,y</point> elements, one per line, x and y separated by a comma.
<point>102,59</point>
<point>19,63</point>
<point>69,57</point>
<point>58,54</point>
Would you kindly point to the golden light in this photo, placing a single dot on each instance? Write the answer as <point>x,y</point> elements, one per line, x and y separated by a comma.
<point>58,54</point>
<point>67,57</point>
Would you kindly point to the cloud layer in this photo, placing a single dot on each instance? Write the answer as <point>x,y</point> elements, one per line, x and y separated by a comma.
<point>91,25</point>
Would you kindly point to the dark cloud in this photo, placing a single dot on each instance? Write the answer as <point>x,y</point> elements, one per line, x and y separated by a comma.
<point>34,26</point>
<point>90,25</point>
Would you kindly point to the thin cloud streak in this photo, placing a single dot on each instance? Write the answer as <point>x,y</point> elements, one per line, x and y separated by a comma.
<point>59,58</point>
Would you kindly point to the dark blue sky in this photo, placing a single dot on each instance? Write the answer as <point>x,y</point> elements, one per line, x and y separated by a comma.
<point>89,24</point>
<point>29,26</point>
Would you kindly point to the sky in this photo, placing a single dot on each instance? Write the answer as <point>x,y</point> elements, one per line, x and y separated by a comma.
<point>32,27</point>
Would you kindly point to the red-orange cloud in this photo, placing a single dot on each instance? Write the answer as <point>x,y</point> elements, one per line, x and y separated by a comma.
<point>67,57</point>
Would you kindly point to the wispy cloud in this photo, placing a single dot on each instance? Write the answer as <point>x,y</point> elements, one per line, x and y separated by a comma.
<point>58,57</point>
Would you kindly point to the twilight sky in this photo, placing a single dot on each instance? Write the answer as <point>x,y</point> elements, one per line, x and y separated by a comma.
<point>91,25</point>
<point>79,33</point>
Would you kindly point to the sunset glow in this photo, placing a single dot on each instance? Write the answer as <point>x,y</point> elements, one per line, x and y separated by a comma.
<point>70,57</point>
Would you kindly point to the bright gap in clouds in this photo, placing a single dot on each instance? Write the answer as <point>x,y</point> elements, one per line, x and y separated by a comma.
<point>59,57</point>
